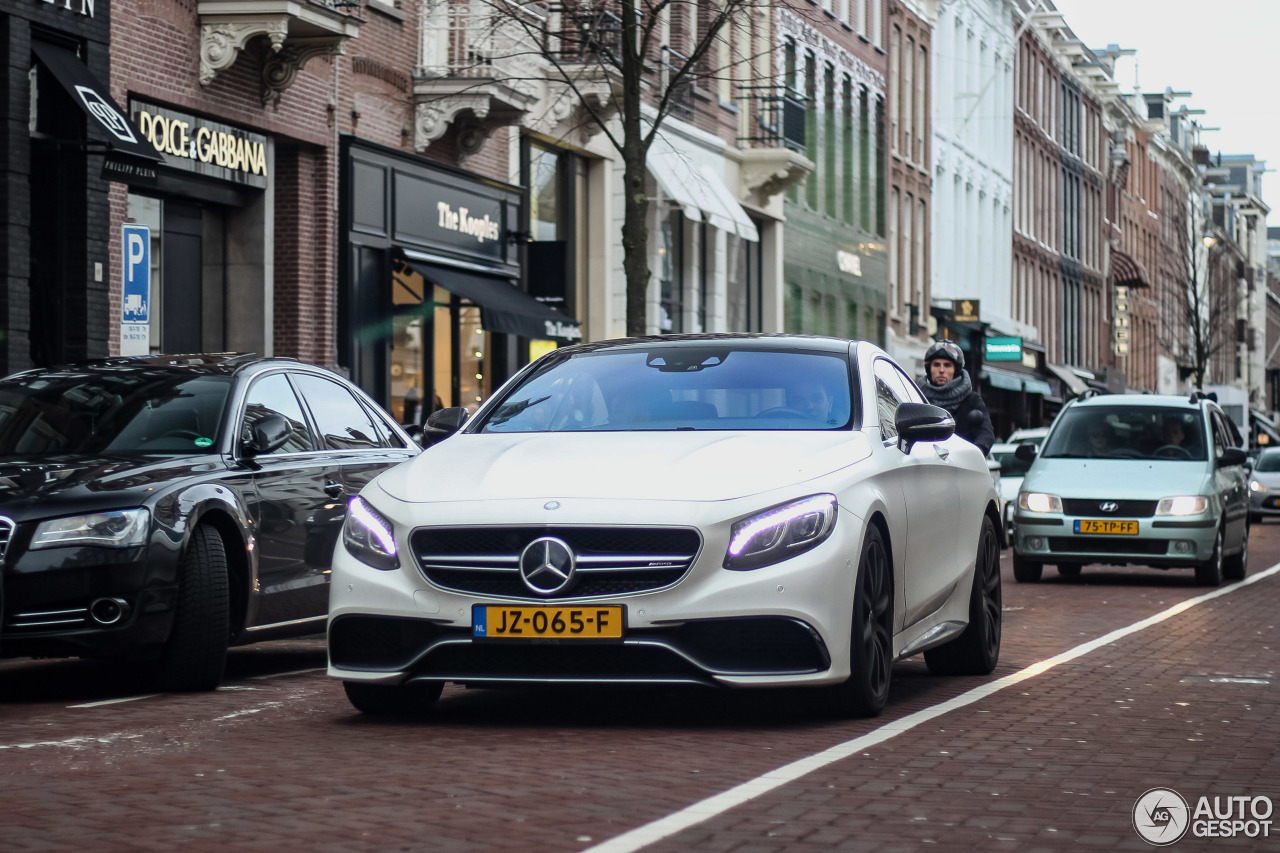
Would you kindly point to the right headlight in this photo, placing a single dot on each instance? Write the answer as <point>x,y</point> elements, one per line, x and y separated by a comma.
<point>1038,502</point>
<point>369,536</point>
<point>1255,486</point>
<point>781,532</point>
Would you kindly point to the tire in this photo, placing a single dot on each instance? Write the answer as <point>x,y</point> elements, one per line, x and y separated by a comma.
<point>1209,573</point>
<point>376,699</point>
<point>1070,570</point>
<point>866,691</point>
<point>196,654</point>
<point>977,650</point>
<point>1235,566</point>
<point>1025,571</point>
<point>1255,518</point>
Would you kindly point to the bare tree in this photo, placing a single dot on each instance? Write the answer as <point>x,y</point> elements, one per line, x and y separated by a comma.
<point>1209,301</point>
<point>624,44</point>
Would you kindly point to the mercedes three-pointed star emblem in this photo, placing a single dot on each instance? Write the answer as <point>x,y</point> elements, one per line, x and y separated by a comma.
<point>547,565</point>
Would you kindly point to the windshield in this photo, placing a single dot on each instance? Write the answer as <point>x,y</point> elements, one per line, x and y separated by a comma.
<point>1137,432</point>
<point>1268,461</point>
<point>134,411</point>
<point>671,388</point>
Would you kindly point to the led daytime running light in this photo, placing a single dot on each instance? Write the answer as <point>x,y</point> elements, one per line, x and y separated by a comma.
<point>361,512</point>
<point>783,515</point>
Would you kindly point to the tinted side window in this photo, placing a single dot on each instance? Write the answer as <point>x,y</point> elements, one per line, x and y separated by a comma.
<point>274,395</point>
<point>889,394</point>
<point>342,421</point>
<point>387,437</point>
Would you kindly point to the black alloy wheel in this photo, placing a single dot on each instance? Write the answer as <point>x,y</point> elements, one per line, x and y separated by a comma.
<point>1209,573</point>
<point>977,650</point>
<point>196,654</point>
<point>415,698</point>
<point>866,691</point>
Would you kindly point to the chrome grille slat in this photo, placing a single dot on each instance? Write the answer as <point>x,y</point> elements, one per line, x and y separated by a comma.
<point>6,533</point>
<point>611,561</point>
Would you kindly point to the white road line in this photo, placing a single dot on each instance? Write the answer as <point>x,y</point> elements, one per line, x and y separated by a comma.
<point>714,806</point>
<point>115,701</point>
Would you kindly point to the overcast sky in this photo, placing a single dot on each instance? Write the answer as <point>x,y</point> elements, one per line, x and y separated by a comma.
<point>1223,51</point>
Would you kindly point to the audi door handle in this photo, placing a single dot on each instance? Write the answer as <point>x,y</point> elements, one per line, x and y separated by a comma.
<point>332,488</point>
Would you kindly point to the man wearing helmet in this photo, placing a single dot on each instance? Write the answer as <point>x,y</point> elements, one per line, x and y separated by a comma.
<point>947,385</point>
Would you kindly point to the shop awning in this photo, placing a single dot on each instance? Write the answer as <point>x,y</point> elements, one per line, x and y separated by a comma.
<point>124,140</point>
<point>1075,383</point>
<point>701,194</point>
<point>1010,381</point>
<point>503,307</point>
<point>1127,272</point>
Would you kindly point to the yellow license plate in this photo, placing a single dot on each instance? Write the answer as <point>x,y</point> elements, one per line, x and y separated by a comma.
<point>1107,526</point>
<point>494,621</point>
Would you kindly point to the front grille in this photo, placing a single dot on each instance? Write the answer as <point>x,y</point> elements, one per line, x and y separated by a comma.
<point>596,662</point>
<point>1088,508</point>
<point>6,533</point>
<point>611,561</point>
<point>378,642</point>
<point>1107,545</point>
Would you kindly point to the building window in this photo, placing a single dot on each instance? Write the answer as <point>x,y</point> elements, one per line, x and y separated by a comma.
<point>671,274</point>
<point>880,166</point>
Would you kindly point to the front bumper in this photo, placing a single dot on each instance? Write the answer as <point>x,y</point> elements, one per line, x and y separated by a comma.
<point>55,601</point>
<point>1167,541</point>
<point>784,624</point>
<point>1264,503</point>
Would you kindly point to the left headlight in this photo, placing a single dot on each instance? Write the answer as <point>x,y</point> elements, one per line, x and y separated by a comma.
<point>1255,486</point>
<point>781,532</point>
<point>1182,505</point>
<point>125,528</point>
<point>369,536</point>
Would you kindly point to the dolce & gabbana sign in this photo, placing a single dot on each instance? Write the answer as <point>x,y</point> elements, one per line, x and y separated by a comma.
<point>202,146</point>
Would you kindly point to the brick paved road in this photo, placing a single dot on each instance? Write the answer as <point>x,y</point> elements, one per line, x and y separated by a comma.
<point>278,760</point>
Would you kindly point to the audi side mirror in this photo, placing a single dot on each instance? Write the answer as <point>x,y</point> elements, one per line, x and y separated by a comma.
<point>267,434</point>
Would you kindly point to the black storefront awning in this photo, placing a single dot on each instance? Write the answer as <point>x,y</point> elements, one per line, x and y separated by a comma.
<point>503,307</point>
<point>130,156</point>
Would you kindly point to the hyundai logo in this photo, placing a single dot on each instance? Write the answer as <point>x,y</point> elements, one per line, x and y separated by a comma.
<point>1108,506</point>
<point>547,565</point>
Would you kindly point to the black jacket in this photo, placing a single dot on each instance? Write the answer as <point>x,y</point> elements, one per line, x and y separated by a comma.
<point>973,422</point>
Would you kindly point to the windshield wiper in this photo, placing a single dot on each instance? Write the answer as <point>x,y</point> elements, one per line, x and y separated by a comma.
<point>507,411</point>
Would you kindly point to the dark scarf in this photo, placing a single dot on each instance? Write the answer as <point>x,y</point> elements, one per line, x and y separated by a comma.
<point>947,396</point>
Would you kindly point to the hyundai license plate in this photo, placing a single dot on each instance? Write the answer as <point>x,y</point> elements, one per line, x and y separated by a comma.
<point>507,622</point>
<point>1107,526</point>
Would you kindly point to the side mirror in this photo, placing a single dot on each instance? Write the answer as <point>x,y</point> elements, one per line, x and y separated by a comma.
<point>444,423</point>
<point>922,422</point>
<point>268,434</point>
<point>1232,456</point>
<point>1025,452</point>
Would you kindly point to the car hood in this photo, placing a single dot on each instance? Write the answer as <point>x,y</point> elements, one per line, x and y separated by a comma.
<point>1128,479</point>
<point>26,482</point>
<point>682,465</point>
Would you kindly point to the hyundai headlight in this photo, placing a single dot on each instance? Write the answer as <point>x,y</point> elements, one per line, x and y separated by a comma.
<point>781,532</point>
<point>1037,502</point>
<point>1182,505</point>
<point>369,536</point>
<point>125,528</point>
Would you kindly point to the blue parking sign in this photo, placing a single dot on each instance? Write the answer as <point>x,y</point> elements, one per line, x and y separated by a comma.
<point>137,275</point>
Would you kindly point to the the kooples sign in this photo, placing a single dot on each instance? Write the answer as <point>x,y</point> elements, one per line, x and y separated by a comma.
<point>80,7</point>
<point>461,220</point>
<point>205,147</point>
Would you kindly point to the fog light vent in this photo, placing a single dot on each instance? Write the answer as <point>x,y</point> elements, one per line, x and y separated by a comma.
<point>1182,546</point>
<point>1035,543</point>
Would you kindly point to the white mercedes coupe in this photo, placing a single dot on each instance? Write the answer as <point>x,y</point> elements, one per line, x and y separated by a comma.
<point>722,510</point>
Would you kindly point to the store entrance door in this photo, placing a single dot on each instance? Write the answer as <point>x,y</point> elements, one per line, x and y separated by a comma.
<point>183,291</point>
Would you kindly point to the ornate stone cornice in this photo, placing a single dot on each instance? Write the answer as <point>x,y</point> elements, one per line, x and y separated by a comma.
<point>221,42</point>
<point>768,171</point>
<point>281,68</point>
<point>475,107</point>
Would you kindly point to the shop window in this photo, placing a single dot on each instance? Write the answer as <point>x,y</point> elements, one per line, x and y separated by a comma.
<point>671,274</point>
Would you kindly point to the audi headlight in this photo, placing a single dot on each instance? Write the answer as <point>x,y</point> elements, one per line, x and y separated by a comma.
<point>1037,502</point>
<point>1255,486</point>
<point>781,532</point>
<point>125,528</point>
<point>369,536</point>
<point>1182,505</point>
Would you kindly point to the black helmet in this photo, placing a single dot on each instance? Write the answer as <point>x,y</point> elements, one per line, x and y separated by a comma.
<point>945,349</point>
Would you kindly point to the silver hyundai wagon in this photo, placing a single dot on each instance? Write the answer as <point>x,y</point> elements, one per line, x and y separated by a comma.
<point>1135,479</point>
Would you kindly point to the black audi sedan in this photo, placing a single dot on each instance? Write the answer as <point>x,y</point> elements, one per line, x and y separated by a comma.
<point>166,507</point>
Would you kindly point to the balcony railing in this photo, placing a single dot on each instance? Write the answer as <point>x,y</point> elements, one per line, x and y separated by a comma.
<point>681,102</point>
<point>777,117</point>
